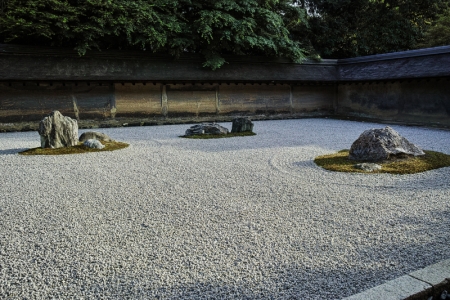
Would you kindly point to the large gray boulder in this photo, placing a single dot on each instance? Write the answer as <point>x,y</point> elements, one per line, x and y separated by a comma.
<point>95,135</point>
<point>242,125</point>
<point>382,144</point>
<point>58,131</point>
<point>206,128</point>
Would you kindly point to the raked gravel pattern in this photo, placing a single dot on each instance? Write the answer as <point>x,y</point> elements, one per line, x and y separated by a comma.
<point>238,218</point>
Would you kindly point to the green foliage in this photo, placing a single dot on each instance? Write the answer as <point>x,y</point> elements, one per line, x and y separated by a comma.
<point>85,25</point>
<point>211,28</point>
<point>349,28</point>
<point>214,29</point>
<point>439,33</point>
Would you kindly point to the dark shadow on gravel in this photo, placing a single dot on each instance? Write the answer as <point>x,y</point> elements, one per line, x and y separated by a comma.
<point>285,282</point>
<point>299,281</point>
<point>12,151</point>
<point>302,282</point>
<point>295,283</point>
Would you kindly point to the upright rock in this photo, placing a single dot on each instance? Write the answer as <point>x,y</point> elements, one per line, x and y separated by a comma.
<point>242,125</point>
<point>95,135</point>
<point>206,128</point>
<point>58,131</point>
<point>382,144</point>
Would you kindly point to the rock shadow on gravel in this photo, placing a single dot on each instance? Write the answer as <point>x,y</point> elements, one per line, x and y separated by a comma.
<point>373,265</point>
<point>294,282</point>
<point>12,151</point>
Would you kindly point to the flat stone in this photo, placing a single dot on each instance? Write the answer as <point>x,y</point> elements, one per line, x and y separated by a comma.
<point>368,167</point>
<point>95,144</point>
<point>397,289</point>
<point>95,135</point>
<point>434,274</point>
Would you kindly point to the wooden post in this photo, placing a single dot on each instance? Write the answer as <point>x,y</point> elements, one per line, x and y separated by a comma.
<point>291,105</point>
<point>217,100</point>
<point>164,106</point>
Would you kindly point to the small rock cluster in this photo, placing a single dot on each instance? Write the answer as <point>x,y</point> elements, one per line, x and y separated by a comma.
<point>58,131</point>
<point>238,125</point>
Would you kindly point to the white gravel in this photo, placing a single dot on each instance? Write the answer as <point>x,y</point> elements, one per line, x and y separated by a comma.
<point>248,217</point>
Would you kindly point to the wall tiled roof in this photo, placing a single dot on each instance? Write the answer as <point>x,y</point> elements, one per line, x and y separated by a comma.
<point>423,63</point>
<point>44,63</point>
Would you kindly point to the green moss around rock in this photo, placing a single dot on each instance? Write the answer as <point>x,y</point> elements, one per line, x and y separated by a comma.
<point>79,149</point>
<point>340,162</point>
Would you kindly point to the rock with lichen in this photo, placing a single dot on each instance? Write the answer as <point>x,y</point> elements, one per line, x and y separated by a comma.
<point>206,128</point>
<point>382,144</point>
<point>242,125</point>
<point>58,131</point>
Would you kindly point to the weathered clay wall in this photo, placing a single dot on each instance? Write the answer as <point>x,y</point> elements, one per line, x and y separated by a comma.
<point>416,101</point>
<point>191,100</point>
<point>137,100</point>
<point>254,99</point>
<point>31,102</point>
<point>405,87</point>
<point>307,98</point>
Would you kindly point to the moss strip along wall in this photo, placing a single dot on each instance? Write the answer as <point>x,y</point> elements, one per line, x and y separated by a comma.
<point>409,87</point>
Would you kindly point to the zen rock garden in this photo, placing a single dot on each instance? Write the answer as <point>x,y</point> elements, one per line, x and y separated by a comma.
<point>375,151</point>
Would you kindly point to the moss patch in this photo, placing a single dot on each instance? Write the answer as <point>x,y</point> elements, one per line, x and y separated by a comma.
<point>78,149</point>
<point>218,136</point>
<point>340,162</point>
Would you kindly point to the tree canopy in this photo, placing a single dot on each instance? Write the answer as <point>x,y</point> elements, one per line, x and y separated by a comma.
<point>210,28</point>
<point>277,28</point>
<point>349,28</point>
<point>438,34</point>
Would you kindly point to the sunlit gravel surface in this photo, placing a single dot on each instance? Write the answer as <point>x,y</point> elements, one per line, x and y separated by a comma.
<point>237,218</point>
